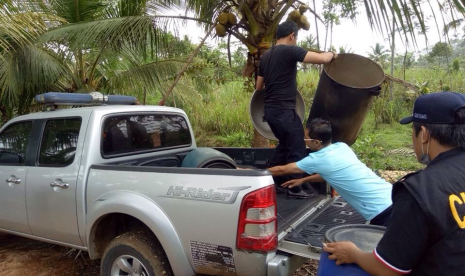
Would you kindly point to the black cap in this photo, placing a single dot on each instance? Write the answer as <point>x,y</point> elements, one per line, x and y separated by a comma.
<point>436,108</point>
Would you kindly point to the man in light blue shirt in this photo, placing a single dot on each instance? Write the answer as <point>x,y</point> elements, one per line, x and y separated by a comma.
<point>338,165</point>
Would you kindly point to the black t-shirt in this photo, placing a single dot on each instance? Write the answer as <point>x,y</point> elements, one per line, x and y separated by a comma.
<point>278,67</point>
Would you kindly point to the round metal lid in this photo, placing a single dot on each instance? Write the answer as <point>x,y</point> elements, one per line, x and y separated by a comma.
<point>364,236</point>
<point>256,109</point>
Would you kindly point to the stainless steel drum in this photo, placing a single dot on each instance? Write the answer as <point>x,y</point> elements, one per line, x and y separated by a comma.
<point>256,109</point>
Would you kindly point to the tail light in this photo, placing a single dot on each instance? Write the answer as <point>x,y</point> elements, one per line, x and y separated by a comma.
<point>257,229</point>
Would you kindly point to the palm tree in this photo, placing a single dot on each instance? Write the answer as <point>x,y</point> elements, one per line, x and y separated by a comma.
<point>379,54</point>
<point>309,42</point>
<point>80,46</point>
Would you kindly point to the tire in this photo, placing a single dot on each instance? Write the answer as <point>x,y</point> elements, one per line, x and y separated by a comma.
<point>132,250</point>
<point>219,165</point>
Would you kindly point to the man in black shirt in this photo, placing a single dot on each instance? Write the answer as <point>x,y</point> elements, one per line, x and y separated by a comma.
<point>426,233</point>
<point>277,74</point>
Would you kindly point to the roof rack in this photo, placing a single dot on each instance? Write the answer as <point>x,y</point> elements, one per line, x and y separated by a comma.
<point>77,99</point>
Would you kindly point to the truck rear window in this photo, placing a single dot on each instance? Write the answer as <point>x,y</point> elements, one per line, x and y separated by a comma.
<point>124,135</point>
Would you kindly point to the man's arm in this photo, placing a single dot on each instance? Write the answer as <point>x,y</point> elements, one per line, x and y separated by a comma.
<point>402,245</point>
<point>297,182</point>
<point>260,83</point>
<point>290,168</point>
<point>314,178</point>
<point>347,252</point>
<point>319,58</point>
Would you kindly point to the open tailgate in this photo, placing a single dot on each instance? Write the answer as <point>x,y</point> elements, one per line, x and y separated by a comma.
<point>304,237</point>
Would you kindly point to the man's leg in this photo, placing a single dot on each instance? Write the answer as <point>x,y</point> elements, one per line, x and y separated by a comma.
<point>295,144</point>
<point>273,117</point>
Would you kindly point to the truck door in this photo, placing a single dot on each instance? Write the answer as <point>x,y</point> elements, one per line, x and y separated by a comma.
<point>14,142</point>
<point>51,184</point>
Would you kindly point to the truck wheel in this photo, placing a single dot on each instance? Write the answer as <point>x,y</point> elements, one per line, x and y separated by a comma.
<point>135,253</point>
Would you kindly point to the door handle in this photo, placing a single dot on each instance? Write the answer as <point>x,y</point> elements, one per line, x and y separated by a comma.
<point>13,180</point>
<point>62,185</point>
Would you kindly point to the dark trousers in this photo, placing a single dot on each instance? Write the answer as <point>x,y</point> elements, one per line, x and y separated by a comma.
<point>286,125</point>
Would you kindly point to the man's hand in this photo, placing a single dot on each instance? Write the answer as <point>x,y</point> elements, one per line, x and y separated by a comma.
<point>342,252</point>
<point>334,54</point>
<point>293,183</point>
<point>348,253</point>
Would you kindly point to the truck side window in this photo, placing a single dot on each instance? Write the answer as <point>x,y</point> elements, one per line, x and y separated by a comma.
<point>59,141</point>
<point>135,134</point>
<point>13,143</point>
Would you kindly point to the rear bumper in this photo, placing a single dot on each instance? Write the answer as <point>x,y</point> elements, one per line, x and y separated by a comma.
<point>283,265</point>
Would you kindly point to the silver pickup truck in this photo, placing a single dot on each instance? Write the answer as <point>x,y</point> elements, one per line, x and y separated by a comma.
<point>128,185</point>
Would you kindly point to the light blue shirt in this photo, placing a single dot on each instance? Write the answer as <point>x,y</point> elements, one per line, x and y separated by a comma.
<point>366,192</point>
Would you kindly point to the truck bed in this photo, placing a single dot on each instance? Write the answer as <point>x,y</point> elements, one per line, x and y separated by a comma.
<point>300,221</point>
<point>291,209</point>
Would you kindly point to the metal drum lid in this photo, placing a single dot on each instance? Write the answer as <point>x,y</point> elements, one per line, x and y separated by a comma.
<point>256,109</point>
<point>364,236</point>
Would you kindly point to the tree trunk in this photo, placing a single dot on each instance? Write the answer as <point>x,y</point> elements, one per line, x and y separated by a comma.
<point>184,68</point>
<point>448,71</point>
<point>393,46</point>
<point>259,141</point>
<point>316,28</point>
<point>405,60</point>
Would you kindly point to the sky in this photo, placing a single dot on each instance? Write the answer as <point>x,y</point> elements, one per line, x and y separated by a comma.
<point>357,35</point>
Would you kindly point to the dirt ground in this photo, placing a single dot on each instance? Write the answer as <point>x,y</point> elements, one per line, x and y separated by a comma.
<point>25,257</point>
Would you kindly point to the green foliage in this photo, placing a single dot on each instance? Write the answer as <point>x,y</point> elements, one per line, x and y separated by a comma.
<point>456,65</point>
<point>237,139</point>
<point>221,117</point>
<point>345,50</point>
<point>387,147</point>
<point>308,42</point>
<point>379,54</point>
<point>441,53</point>
<point>385,110</point>
<point>405,61</point>
<point>441,49</point>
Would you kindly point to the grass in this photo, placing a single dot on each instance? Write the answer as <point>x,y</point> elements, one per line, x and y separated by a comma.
<point>387,147</point>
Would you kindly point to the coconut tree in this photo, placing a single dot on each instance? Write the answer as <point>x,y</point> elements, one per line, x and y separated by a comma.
<point>80,46</point>
<point>379,54</point>
<point>20,25</point>
<point>309,42</point>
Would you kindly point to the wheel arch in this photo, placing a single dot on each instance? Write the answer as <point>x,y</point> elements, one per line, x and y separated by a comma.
<point>118,212</point>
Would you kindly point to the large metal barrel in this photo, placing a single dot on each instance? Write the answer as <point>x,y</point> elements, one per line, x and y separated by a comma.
<point>345,93</point>
<point>257,107</point>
